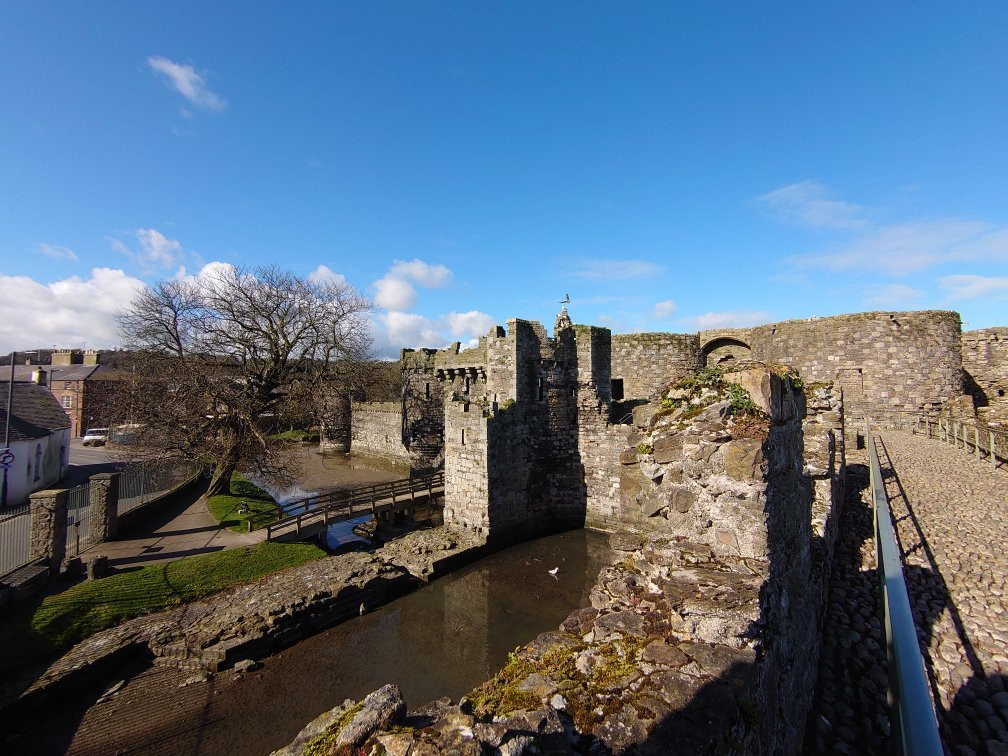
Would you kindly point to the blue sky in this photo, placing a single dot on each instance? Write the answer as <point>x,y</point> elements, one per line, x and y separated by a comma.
<point>671,166</point>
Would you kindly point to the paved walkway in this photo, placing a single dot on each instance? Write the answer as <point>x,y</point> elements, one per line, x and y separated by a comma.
<point>951,514</point>
<point>182,527</point>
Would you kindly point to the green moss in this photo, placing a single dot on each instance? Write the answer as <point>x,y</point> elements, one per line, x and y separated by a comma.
<point>618,659</point>
<point>811,388</point>
<point>645,448</point>
<point>323,744</point>
<point>500,694</point>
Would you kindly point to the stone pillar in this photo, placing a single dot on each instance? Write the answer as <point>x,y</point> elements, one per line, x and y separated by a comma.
<point>104,510</point>
<point>47,539</point>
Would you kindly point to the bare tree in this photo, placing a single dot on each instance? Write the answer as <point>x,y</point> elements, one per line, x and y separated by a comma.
<point>216,359</point>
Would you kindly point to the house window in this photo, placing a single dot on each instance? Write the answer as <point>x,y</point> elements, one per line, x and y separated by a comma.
<point>617,389</point>
<point>67,401</point>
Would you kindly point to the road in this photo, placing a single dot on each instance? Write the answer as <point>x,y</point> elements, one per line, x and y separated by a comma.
<point>85,461</point>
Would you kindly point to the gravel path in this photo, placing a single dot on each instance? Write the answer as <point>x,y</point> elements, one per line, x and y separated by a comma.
<point>951,513</point>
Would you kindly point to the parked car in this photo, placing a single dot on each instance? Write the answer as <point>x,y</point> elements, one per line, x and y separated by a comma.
<point>125,435</point>
<point>95,437</point>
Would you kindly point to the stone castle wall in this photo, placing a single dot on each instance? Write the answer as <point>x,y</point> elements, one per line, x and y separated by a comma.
<point>514,407</point>
<point>376,428</point>
<point>646,362</point>
<point>985,362</point>
<point>422,410</point>
<point>885,362</point>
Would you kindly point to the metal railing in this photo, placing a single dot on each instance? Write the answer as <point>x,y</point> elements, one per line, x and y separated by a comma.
<point>15,530</point>
<point>141,482</point>
<point>337,506</point>
<point>972,437</point>
<point>79,536</point>
<point>914,725</point>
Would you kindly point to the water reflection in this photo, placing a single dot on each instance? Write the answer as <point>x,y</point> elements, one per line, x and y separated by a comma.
<point>442,640</point>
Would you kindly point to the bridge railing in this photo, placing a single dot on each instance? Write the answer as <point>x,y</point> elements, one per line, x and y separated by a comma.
<point>355,502</point>
<point>982,441</point>
<point>914,725</point>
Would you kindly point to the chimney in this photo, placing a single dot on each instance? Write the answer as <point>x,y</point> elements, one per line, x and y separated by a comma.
<point>39,376</point>
<point>62,357</point>
<point>91,357</point>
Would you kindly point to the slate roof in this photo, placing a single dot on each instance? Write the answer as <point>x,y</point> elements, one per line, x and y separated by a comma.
<point>35,412</point>
<point>23,373</point>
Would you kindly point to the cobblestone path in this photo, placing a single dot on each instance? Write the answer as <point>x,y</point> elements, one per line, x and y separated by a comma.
<point>849,713</point>
<point>951,513</point>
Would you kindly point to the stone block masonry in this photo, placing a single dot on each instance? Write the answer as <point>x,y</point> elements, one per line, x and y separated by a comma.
<point>644,363</point>
<point>376,428</point>
<point>513,408</point>
<point>985,365</point>
<point>885,362</point>
<point>47,538</point>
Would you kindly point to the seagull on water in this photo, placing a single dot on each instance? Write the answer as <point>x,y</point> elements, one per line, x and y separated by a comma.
<point>554,572</point>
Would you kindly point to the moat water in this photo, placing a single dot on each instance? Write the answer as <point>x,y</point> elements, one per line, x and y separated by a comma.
<point>441,640</point>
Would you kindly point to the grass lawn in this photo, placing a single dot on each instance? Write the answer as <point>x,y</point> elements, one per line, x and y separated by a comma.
<point>39,629</point>
<point>299,435</point>
<point>262,509</point>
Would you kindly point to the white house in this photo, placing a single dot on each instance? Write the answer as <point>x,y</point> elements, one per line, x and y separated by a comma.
<point>39,449</point>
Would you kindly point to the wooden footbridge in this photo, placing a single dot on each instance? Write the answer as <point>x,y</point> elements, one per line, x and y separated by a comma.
<point>306,517</point>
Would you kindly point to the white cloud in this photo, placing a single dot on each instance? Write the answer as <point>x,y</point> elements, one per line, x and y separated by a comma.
<point>616,270</point>
<point>155,249</point>
<point>664,309</point>
<point>892,296</point>
<point>895,249</point>
<point>57,252</point>
<point>466,326</point>
<point>394,293</point>
<point>963,287</point>
<point>69,312</point>
<point>728,319</point>
<point>808,203</point>
<point>396,330</point>
<point>208,275</point>
<point>902,248</point>
<point>186,82</point>
<point>425,274</point>
<point>325,274</point>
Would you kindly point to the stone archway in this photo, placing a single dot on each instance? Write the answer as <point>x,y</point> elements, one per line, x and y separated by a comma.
<point>725,351</point>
